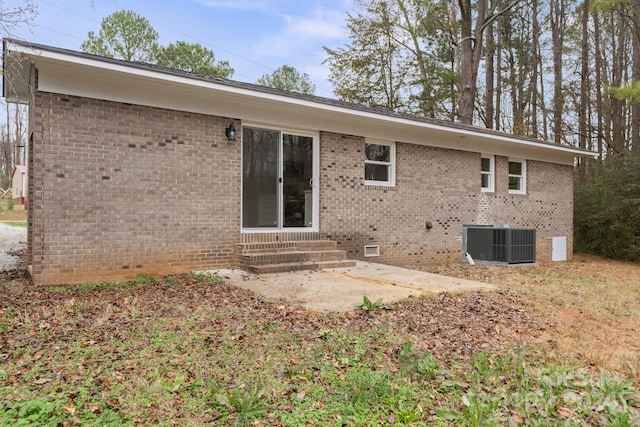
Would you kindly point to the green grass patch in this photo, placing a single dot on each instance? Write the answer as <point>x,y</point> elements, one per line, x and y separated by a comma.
<point>7,204</point>
<point>22,224</point>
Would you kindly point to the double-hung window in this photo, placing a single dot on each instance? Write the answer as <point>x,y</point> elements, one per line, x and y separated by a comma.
<point>487,173</point>
<point>517,176</point>
<point>379,163</point>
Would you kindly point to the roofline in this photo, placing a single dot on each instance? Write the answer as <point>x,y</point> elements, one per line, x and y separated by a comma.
<point>278,95</point>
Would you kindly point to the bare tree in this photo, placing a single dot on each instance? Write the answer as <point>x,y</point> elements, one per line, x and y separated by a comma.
<point>471,45</point>
<point>13,130</point>
<point>15,16</point>
<point>558,18</point>
<point>489,75</point>
<point>470,55</point>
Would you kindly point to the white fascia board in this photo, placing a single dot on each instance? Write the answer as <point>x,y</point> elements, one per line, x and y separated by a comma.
<point>144,86</point>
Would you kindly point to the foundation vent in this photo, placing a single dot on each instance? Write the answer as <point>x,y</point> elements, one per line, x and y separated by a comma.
<point>372,250</point>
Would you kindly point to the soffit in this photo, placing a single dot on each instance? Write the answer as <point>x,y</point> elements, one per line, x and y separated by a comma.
<point>81,75</point>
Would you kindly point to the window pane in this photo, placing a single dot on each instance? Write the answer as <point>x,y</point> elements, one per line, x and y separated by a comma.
<point>377,152</point>
<point>485,181</point>
<point>297,172</point>
<point>515,168</point>
<point>485,165</point>
<point>514,183</point>
<point>376,172</point>
<point>260,177</point>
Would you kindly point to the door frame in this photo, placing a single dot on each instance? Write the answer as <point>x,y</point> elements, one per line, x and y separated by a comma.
<point>315,189</point>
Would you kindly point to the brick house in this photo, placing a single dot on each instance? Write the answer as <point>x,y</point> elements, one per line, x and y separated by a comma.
<point>172,172</point>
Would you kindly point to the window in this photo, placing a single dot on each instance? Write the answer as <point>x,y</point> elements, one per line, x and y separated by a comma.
<point>379,159</point>
<point>486,173</point>
<point>517,176</point>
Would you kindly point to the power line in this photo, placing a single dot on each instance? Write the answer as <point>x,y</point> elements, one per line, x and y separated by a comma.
<point>181,33</point>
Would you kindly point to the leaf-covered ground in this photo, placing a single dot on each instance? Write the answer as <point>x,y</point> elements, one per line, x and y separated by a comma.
<point>593,303</point>
<point>191,350</point>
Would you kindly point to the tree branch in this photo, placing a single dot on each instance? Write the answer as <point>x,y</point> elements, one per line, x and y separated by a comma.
<point>495,16</point>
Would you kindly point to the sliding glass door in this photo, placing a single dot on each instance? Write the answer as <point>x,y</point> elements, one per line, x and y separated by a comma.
<point>278,170</point>
<point>260,177</point>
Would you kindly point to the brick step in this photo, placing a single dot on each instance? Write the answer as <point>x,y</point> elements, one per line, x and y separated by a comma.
<point>287,246</point>
<point>317,245</point>
<point>290,255</point>
<point>298,266</point>
<point>247,248</point>
<point>293,256</point>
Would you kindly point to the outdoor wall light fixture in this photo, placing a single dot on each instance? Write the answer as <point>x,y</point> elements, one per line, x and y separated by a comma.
<point>230,132</point>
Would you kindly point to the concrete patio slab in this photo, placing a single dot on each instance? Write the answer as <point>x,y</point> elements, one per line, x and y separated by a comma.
<point>342,289</point>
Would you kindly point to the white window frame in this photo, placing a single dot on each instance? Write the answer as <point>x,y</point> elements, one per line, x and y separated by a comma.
<point>490,174</point>
<point>391,163</point>
<point>522,177</point>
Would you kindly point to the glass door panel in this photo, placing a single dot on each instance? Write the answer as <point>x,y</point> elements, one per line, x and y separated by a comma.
<point>260,178</point>
<point>297,185</point>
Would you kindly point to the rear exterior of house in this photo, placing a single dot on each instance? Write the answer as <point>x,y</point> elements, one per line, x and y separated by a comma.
<point>158,188</point>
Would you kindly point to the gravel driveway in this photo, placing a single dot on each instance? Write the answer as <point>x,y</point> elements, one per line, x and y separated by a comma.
<point>11,239</point>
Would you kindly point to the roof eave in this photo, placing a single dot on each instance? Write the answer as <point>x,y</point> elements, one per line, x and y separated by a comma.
<point>33,53</point>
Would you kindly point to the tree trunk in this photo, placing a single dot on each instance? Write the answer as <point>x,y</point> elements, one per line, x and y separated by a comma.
<point>617,144</point>
<point>470,54</point>
<point>545,121</point>
<point>635,108</point>
<point>558,20</point>
<point>533,88</point>
<point>498,110</point>
<point>598,82</point>
<point>583,125</point>
<point>417,49</point>
<point>489,78</point>
<point>8,158</point>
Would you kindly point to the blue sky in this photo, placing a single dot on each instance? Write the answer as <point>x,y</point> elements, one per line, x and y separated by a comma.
<point>255,36</point>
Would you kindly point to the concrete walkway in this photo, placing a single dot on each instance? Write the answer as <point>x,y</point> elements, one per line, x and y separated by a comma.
<point>341,289</point>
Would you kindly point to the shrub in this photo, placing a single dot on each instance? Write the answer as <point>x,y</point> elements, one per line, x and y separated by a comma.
<point>607,208</point>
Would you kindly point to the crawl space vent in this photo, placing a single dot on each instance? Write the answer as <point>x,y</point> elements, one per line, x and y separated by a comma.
<point>372,250</point>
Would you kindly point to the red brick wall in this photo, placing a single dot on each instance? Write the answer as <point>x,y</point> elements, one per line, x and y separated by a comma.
<point>438,186</point>
<point>123,190</point>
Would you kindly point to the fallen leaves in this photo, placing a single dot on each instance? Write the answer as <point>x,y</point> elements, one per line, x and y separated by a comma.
<point>113,333</point>
<point>69,410</point>
<point>593,305</point>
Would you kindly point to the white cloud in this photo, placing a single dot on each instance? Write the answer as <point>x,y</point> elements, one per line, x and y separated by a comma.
<point>321,27</point>
<point>288,32</point>
<point>256,5</point>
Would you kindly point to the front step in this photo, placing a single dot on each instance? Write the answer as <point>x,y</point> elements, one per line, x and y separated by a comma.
<point>299,266</point>
<point>280,256</point>
<point>263,258</point>
<point>288,246</point>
